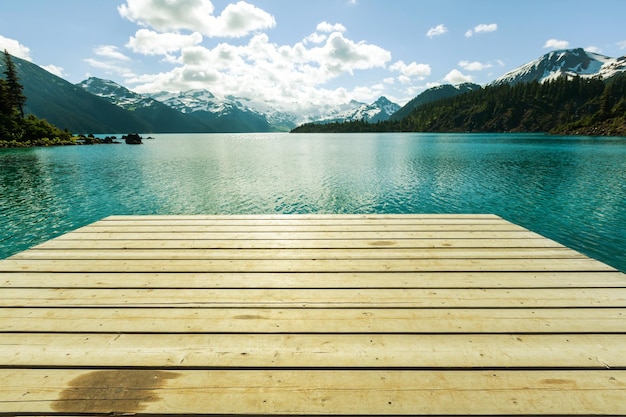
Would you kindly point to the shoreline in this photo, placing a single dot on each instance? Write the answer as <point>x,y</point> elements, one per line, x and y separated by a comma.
<point>82,140</point>
<point>79,140</point>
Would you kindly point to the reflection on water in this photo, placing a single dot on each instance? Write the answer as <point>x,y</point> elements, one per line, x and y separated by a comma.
<point>569,189</point>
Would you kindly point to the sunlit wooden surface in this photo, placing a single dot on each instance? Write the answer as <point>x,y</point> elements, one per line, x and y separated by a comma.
<point>310,315</point>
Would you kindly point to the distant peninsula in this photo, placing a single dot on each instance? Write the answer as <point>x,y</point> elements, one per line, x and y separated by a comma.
<point>563,106</point>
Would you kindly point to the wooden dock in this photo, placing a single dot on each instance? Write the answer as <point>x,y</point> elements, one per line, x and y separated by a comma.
<point>310,315</point>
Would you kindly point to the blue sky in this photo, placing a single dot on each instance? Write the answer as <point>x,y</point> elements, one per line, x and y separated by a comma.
<point>297,53</point>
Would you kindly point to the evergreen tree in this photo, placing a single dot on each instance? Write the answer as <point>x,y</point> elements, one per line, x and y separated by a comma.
<point>5,103</point>
<point>6,111</point>
<point>15,89</point>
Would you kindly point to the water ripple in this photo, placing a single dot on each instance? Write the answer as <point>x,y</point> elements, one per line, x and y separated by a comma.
<point>569,189</point>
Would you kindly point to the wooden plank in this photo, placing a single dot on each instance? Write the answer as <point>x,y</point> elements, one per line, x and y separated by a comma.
<point>291,392</point>
<point>572,279</point>
<point>78,244</point>
<point>315,298</point>
<point>349,321</point>
<point>313,351</point>
<point>296,221</point>
<point>300,217</point>
<point>263,228</point>
<point>290,254</point>
<point>303,265</point>
<point>281,235</point>
<point>312,314</point>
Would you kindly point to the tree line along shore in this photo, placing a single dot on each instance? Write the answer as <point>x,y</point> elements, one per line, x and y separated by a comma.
<point>18,130</point>
<point>565,106</point>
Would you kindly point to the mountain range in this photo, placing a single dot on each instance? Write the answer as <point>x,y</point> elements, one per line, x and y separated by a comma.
<point>378,111</point>
<point>69,106</point>
<point>159,116</point>
<point>102,106</point>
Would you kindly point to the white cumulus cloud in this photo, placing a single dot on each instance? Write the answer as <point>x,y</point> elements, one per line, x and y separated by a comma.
<point>322,30</point>
<point>340,54</point>
<point>411,70</point>
<point>111,60</point>
<point>236,20</point>
<point>240,19</point>
<point>110,51</point>
<point>15,48</point>
<point>148,42</point>
<point>54,69</point>
<point>110,67</point>
<point>457,77</point>
<point>622,45</point>
<point>437,31</point>
<point>168,15</point>
<point>556,44</point>
<point>473,66</point>
<point>482,28</point>
<point>263,70</point>
<point>316,38</point>
<point>327,27</point>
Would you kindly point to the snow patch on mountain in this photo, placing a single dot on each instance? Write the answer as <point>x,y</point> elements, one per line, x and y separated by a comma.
<point>378,111</point>
<point>192,101</point>
<point>116,94</point>
<point>564,63</point>
<point>612,68</point>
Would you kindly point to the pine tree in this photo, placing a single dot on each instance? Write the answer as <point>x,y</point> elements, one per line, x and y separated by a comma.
<point>5,103</point>
<point>6,111</point>
<point>15,89</point>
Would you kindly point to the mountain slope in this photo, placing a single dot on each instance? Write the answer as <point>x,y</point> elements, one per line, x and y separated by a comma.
<point>115,93</point>
<point>224,114</point>
<point>159,116</point>
<point>68,106</point>
<point>431,95</point>
<point>564,63</point>
<point>582,105</point>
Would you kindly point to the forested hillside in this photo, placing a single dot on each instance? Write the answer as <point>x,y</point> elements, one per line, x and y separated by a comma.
<point>16,129</point>
<point>575,106</point>
<point>432,95</point>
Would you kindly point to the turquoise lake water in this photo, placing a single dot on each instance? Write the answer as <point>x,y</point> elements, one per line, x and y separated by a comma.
<point>570,189</point>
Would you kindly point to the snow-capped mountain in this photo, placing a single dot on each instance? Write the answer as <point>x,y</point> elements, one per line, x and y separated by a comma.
<point>564,63</point>
<point>194,101</point>
<point>200,110</point>
<point>378,111</point>
<point>156,116</point>
<point>116,94</point>
<point>279,120</point>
